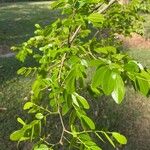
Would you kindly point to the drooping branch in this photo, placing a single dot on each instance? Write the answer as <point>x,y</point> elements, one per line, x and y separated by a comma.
<point>79,27</point>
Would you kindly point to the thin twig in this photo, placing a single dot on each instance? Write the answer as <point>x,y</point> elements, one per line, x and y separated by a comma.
<point>50,112</point>
<point>63,126</point>
<point>106,7</point>
<point>96,34</point>
<point>97,7</point>
<point>75,34</point>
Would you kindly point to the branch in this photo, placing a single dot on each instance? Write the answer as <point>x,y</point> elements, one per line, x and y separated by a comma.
<point>106,7</point>
<point>100,11</point>
<point>75,34</point>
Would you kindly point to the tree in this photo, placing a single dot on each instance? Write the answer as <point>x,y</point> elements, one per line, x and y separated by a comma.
<point>83,39</point>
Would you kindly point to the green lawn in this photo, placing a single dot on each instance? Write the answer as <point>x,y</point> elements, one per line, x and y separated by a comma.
<point>141,55</point>
<point>17,20</point>
<point>17,24</point>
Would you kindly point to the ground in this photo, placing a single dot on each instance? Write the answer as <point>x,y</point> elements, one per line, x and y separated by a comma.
<point>16,25</point>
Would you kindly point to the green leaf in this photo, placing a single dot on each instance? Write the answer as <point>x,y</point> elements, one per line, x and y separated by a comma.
<point>119,89</point>
<point>72,117</point>
<point>28,105</point>
<point>17,135</point>
<point>24,139</point>
<point>41,147</point>
<point>120,138</point>
<point>118,57</point>
<point>105,78</point>
<point>74,100</point>
<point>21,121</point>
<point>85,137</point>
<point>132,66</point>
<point>70,83</point>
<point>88,121</point>
<point>39,116</point>
<point>144,85</point>
<point>96,18</point>
<point>95,90</point>
<point>99,76</point>
<point>36,87</point>
<point>93,1</point>
<point>106,50</point>
<point>96,63</point>
<point>101,50</point>
<point>83,101</point>
<point>95,148</point>
<point>65,109</point>
<point>73,130</point>
<point>21,70</point>
<point>108,82</point>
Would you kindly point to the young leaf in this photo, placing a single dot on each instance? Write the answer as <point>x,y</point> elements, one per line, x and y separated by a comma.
<point>41,147</point>
<point>39,116</point>
<point>119,90</point>
<point>83,101</point>
<point>74,100</point>
<point>98,76</point>
<point>143,84</point>
<point>96,18</point>
<point>72,117</point>
<point>70,84</point>
<point>143,81</point>
<point>65,108</point>
<point>28,105</point>
<point>108,82</point>
<point>95,148</point>
<point>21,121</point>
<point>21,70</point>
<point>85,137</point>
<point>106,50</point>
<point>17,135</point>
<point>120,138</point>
<point>88,121</point>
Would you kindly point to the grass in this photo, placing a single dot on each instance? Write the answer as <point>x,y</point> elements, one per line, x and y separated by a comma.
<point>147,26</point>
<point>17,20</point>
<point>141,55</point>
<point>12,90</point>
<point>16,25</point>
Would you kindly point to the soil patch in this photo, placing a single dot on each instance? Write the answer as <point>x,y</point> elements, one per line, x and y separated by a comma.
<point>135,41</point>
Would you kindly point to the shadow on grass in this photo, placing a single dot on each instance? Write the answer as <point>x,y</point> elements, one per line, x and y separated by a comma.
<point>17,20</point>
<point>9,67</point>
<point>13,90</point>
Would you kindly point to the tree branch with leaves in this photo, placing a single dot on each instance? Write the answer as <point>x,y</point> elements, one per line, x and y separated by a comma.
<point>65,50</point>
